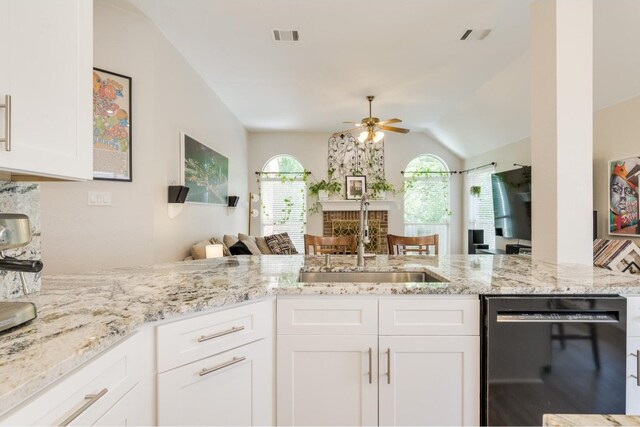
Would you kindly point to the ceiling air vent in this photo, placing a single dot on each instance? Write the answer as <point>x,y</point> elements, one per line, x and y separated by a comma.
<point>475,34</point>
<point>285,35</point>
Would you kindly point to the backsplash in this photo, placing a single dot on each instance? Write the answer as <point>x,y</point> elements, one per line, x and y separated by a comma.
<point>21,198</point>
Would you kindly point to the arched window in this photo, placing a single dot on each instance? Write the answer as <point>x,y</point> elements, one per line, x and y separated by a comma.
<point>283,194</point>
<point>426,199</point>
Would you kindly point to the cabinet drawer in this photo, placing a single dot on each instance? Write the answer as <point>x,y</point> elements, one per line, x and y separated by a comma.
<point>321,316</point>
<point>228,389</point>
<point>108,378</point>
<point>430,316</point>
<point>192,339</point>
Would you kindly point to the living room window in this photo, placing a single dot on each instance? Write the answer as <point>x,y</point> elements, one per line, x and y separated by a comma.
<point>481,205</point>
<point>426,199</point>
<point>283,195</point>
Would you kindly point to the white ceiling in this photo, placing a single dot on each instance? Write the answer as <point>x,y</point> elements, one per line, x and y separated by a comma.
<point>473,96</point>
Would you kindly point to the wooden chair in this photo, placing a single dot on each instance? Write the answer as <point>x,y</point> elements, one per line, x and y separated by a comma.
<point>330,245</point>
<point>404,245</point>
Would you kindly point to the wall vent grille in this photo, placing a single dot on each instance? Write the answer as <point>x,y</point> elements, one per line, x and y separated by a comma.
<point>285,35</point>
<point>475,34</point>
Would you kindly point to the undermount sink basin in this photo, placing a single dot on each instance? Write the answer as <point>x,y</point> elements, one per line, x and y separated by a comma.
<point>367,277</point>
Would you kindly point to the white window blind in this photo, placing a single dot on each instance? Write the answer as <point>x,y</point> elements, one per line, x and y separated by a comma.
<point>481,208</point>
<point>426,200</point>
<point>283,199</point>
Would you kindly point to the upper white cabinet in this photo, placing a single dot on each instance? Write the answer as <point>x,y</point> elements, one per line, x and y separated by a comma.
<point>46,48</point>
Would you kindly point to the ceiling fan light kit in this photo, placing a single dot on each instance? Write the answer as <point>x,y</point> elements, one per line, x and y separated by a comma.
<point>373,126</point>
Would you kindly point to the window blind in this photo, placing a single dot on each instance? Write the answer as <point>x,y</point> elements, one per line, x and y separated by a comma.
<point>283,208</point>
<point>481,208</point>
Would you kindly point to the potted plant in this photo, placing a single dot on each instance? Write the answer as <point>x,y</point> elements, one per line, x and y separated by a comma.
<point>380,187</point>
<point>475,190</point>
<point>323,189</point>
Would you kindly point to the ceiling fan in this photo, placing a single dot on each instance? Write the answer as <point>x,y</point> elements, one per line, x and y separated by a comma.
<point>372,127</point>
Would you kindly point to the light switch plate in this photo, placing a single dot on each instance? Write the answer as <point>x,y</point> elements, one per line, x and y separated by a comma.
<point>99,198</point>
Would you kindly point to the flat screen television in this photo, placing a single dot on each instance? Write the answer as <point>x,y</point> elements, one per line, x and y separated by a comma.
<point>512,203</point>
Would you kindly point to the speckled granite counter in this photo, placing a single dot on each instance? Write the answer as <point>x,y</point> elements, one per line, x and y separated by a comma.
<point>81,315</point>
<point>566,420</point>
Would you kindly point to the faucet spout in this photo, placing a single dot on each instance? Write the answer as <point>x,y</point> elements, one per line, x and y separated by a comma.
<point>363,229</point>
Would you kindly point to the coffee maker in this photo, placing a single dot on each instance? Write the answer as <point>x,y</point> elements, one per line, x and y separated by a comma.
<point>15,232</point>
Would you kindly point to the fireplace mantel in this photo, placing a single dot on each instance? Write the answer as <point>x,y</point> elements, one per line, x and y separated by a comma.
<point>354,205</point>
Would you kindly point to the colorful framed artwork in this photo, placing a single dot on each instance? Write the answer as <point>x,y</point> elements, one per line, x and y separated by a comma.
<point>111,126</point>
<point>623,197</point>
<point>204,171</point>
<point>356,186</point>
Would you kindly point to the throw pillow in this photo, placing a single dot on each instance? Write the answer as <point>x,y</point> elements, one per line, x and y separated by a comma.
<point>239,248</point>
<point>281,244</point>
<point>225,248</point>
<point>229,240</point>
<point>199,250</point>
<point>251,245</point>
<point>260,242</point>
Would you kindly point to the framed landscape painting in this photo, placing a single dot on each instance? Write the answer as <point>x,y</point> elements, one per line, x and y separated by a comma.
<point>623,197</point>
<point>204,171</point>
<point>111,126</point>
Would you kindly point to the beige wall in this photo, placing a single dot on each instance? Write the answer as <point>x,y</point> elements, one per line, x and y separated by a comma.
<point>616,135</point>
<point>168,97</point>
<point>311,150</point>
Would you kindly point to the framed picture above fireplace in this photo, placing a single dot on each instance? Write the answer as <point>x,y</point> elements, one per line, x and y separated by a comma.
<point>356,186</point>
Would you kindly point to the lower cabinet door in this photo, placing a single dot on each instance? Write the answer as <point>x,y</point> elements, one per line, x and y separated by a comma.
<point>229,389</point>
<point>134,409</point>
<point>427,380</point>
<point>327,380</point>
<point>633,373</point>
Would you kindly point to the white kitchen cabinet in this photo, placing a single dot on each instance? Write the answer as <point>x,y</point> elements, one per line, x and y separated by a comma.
<point>429,380</point>
<point>633,373</point>
<point>425,356</point>
<point>228,389</point>
<point>114,388</point>
<point>327,380</point>
<point>47,58</point>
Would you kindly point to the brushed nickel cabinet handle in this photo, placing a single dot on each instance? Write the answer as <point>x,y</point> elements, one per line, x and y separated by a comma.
<point>370,365</point>
<point>637,375</point>
<point>233,330</point>
<point>388,366</point>
<point>7,122</point>
<point>233,361</point>
<point>90,400</point>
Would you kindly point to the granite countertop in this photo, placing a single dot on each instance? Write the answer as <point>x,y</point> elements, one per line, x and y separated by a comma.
<point>567,420</point>
<point>81,315</point>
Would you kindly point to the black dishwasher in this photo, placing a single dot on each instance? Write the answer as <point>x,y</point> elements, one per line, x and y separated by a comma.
<point>549,354</point>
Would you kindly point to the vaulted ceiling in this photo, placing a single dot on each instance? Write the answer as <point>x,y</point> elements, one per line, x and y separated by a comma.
<point>473,96</point>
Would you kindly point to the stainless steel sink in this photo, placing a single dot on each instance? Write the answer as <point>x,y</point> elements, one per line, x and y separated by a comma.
<point>367,277</point>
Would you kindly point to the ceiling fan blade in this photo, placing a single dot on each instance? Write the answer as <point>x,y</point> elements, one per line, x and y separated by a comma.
<point>357,124</point>
<point>389,121</point>
<point>394,129</point>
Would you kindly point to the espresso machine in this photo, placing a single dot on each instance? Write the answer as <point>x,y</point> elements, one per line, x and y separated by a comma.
<point>15,232</point>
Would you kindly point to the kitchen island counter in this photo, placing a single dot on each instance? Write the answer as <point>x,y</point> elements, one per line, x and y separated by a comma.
<point>81,315</point>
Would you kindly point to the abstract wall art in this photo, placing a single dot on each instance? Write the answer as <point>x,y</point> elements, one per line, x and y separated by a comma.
<point>111,126</point>
<point>623,196</point>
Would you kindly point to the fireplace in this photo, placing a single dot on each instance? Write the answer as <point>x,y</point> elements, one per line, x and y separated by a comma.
<point>341,217</point>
